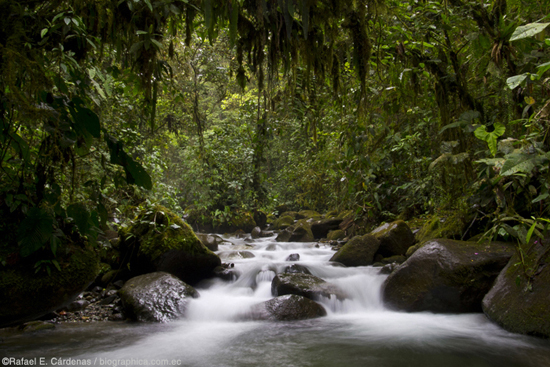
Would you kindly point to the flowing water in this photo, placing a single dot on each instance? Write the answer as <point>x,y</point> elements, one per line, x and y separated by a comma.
<point>356,332</point>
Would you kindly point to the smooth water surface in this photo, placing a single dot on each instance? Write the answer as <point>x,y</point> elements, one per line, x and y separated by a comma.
<point>356,332</point>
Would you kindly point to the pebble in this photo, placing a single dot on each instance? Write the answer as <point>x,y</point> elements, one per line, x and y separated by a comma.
<point>97,305</point>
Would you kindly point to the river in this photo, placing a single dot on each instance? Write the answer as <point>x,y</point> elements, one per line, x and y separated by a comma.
<point>359,331</point>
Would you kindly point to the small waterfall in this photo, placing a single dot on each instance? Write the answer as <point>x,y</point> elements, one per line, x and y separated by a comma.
<point>228,300</point>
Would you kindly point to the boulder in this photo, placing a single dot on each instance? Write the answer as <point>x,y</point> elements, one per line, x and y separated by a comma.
<point>299,232</point>
<point>321,228</point>
<point>256,232</point>
<point>446,276</point>
<point>520,298</point>
<point>305,285</point>
<point>395,238</point>
<point>335,235</point>
<point>297,268</point>
<point>158,297</point>
<point>289,307</point>
<point>27,294</point>
<point>359,251</point>
<point>308,214</point>
<point>264,234</point>
<point>226,272</point>
<point>161,241</point>
<point>293,257</point>
<point>210,241</point>
<point>283,222</point>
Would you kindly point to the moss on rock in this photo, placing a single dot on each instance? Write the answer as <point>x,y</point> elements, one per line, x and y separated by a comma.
<point>519,299</point>
<point>161,241</point>
<point>359,251</point>
<point>449,225</point>
<point>283,222</point>
<point>395,238</point>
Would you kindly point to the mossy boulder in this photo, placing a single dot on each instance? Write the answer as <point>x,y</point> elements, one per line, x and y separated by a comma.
<point>289,307</point>
<point>395,238</point>
<point>321,228</point>
<point>305,285</point>
<point>159,240</point>
<point>26,295</point>
<point>519,301</point>
<point>446,276</point>
<point>359,251</point>
<point>298,232</point>
<point>448,225</point>
<point>308,214</point>
<point>283,222</point>
<point>335,235</point>
<point>157,297</point>
<point>292,214</point>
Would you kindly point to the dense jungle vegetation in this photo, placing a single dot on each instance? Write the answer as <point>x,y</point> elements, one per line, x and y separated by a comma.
<point>390,108</point>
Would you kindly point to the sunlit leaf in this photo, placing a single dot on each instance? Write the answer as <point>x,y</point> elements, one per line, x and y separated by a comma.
<point>528,30</point>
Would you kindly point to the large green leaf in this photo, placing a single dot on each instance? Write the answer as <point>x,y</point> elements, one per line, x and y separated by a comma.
<point>514,81</point>
<point>34,231</point>
<point>135,173</point>
<point>520,163</point>
<point>85,119</point>
<point>490,137</point>
<point>528,30</point>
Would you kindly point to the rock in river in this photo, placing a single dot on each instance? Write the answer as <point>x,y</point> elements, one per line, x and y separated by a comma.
<point>305,285</point>
<point>156,297</point>
<point>446,276</point>
<point>359,251</point>
<point>287,308</point>
<point>520,298</point>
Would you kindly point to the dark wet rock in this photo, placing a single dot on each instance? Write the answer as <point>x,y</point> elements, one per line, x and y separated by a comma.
<point>271,247</point>
<point>397,259</point>
<point>520,298</point>
<point>297,268</point>
<point>226,272</point>
<point>118,284</point>
<point>287,308</point>
<point>446,276</point>
<point>264,234</point>
<point>283,222</point>
<point>388,268</point>
<point>161,241</point>
<point>26,294</point>
<point>321,228</point>
<point>77,305</point>
<point>359,251</point>
<point>395,238</point>
<point>299,232</point>
<point>108,300</point>
<point>305,285</point>
<point>293,257</point>
<point>256,232</point>
<point>284,235</point>
<point>211,241</point>
<point>158,297</point>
